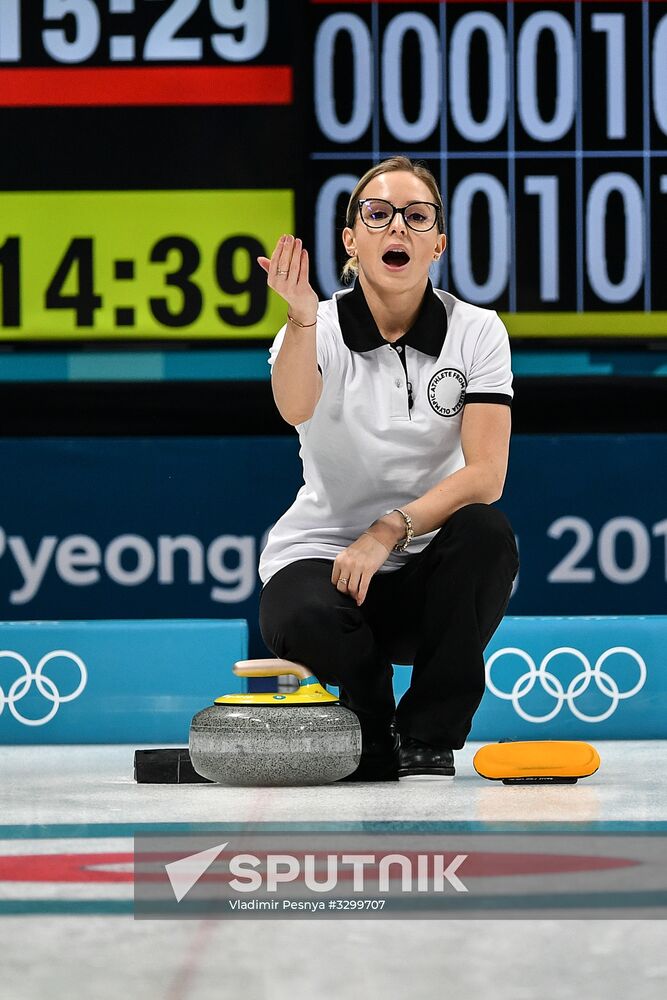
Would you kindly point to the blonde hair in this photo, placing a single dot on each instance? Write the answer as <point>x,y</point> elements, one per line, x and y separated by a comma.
<point>351,266</point>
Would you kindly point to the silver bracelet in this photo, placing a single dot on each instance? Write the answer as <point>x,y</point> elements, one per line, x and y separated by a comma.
<point>409,530</point>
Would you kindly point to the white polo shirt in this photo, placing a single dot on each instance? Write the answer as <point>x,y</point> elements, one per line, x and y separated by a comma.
<point>387,426</point>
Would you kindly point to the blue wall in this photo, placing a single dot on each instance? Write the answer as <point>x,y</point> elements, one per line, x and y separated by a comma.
<point>87,526</point>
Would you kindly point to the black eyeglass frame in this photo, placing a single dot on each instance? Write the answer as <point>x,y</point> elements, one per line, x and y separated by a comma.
<point>398,211</point>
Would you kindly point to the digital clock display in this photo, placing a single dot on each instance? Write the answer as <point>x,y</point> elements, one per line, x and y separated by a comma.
<point>158,261</point>
<point>146,169</point>
<point>81,52</point>
<point>72,32</point>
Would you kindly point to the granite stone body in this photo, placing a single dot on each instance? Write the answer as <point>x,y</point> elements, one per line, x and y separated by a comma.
<point>275,745</point>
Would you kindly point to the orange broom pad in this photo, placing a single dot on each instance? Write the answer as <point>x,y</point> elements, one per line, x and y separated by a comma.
<point>537,761</point>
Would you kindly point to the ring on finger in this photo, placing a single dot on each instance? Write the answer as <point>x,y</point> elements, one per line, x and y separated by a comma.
<point>343,580</point>
<point>282,272</point>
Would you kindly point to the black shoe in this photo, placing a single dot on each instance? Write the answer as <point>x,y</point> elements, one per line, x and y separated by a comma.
<point>379,759</point>
<point>419,760</point>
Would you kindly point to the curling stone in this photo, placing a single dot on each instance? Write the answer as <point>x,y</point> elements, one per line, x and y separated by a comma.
<point>303,738</point>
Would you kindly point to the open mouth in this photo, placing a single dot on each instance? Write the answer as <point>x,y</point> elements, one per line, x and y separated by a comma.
<point>396,259</point>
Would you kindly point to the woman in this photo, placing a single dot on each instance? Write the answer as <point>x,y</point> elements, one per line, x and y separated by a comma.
<point>390,553</point>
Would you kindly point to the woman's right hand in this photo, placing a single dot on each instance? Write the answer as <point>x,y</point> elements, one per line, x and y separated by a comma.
<point>287,271</point>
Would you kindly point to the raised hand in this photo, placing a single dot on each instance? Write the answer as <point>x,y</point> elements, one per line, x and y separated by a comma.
<point>287,271</point>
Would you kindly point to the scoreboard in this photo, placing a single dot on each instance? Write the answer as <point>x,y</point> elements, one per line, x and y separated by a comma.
<point>153,148</point>
<point>546,126</point>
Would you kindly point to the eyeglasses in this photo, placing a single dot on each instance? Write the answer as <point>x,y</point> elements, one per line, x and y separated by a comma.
<point>376,213</point>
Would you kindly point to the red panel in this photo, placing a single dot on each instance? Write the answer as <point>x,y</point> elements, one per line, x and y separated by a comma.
<point>129,86</point>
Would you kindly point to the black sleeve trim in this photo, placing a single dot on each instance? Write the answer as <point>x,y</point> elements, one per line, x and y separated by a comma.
<point>319,370</point>
<point>488,397</point>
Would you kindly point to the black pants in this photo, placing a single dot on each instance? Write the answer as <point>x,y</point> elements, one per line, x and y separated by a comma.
<point>437,612</point>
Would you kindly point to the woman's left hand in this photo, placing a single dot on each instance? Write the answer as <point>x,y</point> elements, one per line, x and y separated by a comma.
<point>355,566</point>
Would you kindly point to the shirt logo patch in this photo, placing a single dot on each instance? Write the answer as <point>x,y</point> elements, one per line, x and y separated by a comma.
<point>447,392</point>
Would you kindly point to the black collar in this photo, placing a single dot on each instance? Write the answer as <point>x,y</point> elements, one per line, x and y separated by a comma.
<point>360,332</point>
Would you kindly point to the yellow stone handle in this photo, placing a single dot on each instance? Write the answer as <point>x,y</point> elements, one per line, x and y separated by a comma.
<point>270,667</point>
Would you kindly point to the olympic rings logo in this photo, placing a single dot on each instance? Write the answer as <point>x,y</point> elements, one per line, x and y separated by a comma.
<point>550,683</point>
<point>45,685</point>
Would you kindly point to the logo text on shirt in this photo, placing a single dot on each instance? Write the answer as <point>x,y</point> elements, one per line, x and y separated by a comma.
<point>447,391</point>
